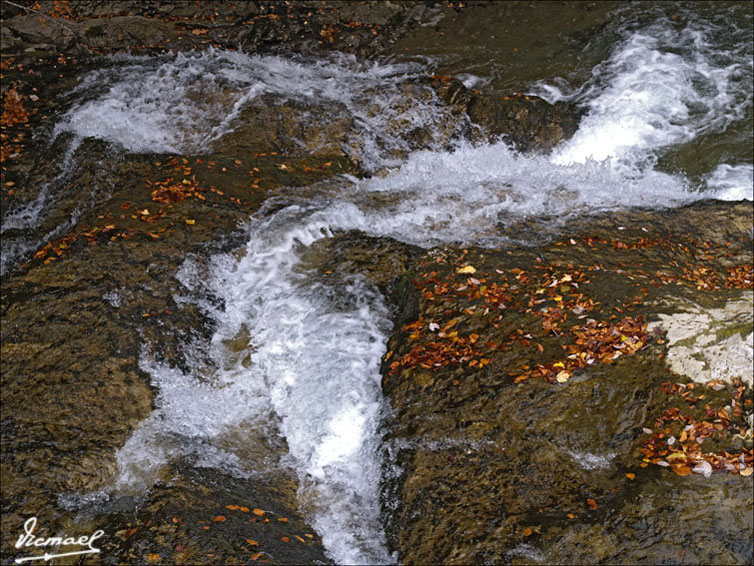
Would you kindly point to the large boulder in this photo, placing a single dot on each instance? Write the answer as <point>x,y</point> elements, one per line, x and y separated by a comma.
<point>533,406</point>
<point>526,121</point>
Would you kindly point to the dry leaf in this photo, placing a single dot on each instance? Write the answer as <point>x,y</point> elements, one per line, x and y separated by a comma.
<point>681,469</point>
<point>704,468</point>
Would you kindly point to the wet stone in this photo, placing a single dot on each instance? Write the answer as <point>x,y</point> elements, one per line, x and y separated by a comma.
<point>492,461</point>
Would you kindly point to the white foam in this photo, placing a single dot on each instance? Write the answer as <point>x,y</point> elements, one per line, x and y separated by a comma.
<point>661,87</point>
<point>732,182</point>
<point>30,215</point>
<point>184,103</point>
<point>465,195</point>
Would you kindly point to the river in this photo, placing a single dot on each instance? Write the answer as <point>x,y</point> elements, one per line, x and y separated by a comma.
<point>666,96</point>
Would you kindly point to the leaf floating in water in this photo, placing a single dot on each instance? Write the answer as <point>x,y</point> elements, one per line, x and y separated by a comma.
<point>704,468</point>
<point>681,469</point>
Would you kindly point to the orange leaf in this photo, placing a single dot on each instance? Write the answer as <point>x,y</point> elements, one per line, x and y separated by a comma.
<point>527,532</point>
<point>154,557</point>
<point>220,519</point>
<point>681,469</point>
<point>256,555</point>
<point>630,476</point>
<point>258,512</point>
<point>252,542</point>
<point>592,503</point>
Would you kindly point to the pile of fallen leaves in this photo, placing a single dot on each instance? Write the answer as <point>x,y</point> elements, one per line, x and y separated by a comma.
<point>595,342</point>
<point>679,434</point>
<point>553,296</point>
<point>14,116</point>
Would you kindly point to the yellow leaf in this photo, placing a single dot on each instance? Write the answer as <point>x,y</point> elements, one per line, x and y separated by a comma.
<point>747,472</point>
<point>630,476</point>
<point>466,269</point>
<point>190,221</point>
<point>563,376</point>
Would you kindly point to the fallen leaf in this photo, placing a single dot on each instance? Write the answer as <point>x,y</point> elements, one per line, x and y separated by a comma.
<point>681,469</point>
<point>153,557</point>
<point>704,468</point>
<point>252,542</point>
<point>592,503</point>
<point>528,532</point>
<point>746,472</point>
<point>190,221</point>
<point>258,512</point>
<point>630,476</point>
<point>466,269</point>
<point>256,555</point>
<point>220,519</point>
<point>563,376</point>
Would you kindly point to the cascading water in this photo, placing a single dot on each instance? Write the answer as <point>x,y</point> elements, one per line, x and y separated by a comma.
<point>310,372</point>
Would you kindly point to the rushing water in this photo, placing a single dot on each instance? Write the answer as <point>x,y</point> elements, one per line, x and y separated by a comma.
<point>310,372</point>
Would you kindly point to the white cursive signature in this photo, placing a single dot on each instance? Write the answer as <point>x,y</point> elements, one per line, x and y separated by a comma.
<point>28,539</point>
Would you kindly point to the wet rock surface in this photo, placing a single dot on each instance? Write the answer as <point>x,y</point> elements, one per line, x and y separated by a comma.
<point>525,121</point>
<point>528,398</point>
